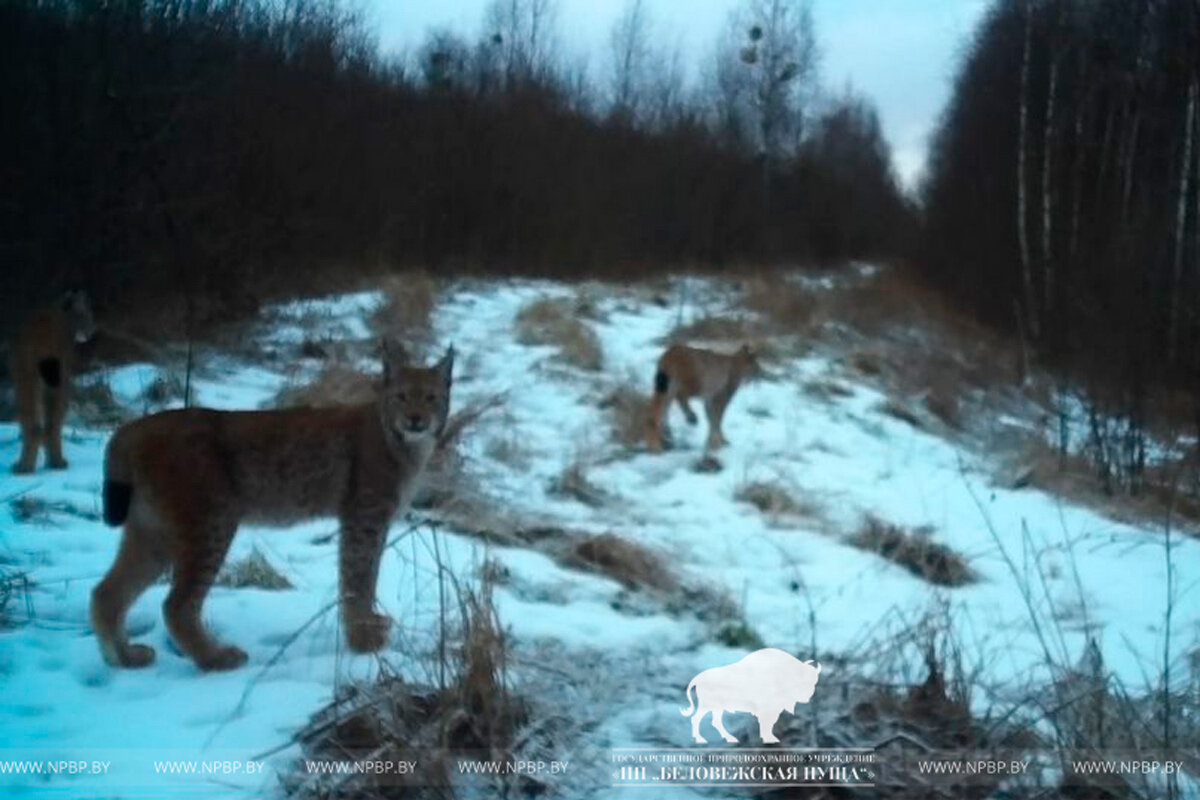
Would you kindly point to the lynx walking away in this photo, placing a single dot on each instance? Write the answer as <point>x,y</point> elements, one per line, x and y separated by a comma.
<point>685,372</point>
<point>42,363</point>
<point>182,481</point>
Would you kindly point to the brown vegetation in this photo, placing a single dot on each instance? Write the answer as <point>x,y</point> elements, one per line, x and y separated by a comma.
<point>407,307</point>
<point>253,570</point>
<point>555,322</point>
<point>470,712</point>
<point>914,550</point>
<point>335,384</point>
<point>628,410</point>
<point>630,564</point>
<point>778,501</point>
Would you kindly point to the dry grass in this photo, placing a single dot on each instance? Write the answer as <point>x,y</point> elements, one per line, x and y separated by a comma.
<point>777,501</point>
<point>336,384</point>
<point>471,712</point>
<point>630,564</point>
<point>896,409</point>
<point>827,390</point>
<point>573,483</point>
<point>447,486</point>
<point>1032,461</point>
<point>255,571</point>
<point>95,405</point>
<point>549,321</point>
<point>914,550</point>
<point>787,307</point>
<point>408,303</point>
<point>508,449</point>
<point>627,407</point>
<point>15,586</point>
<point>30,509</point>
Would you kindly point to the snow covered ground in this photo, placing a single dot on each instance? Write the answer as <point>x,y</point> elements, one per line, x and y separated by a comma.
<point>798,584</point>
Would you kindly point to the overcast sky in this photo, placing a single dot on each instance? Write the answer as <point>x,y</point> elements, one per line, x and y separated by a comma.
<point>901,53</point>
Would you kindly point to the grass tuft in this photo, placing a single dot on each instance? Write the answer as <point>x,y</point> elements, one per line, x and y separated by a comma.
<point>628,411</point>
<point>914,550</point>
<point>253,571</point>
<point>407,306</point>
<point>776,500</point>
<point>738,634</point>
<point>549,321</point>
<point>631,565</point>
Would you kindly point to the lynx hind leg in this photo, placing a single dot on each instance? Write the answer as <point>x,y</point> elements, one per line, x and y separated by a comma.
<point>196,565</point>
<point>29,414</point>
<point>657,434</point>
<point>55,411</point>
<point>714,426</point>
<point>136,567</point>
<point>686,407</point>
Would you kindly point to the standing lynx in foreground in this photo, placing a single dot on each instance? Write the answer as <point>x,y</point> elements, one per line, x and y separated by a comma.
<point>182,481</point>
<point>42,362</point>
<point>685,372</point>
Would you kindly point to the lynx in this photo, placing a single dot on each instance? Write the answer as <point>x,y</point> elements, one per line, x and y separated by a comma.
<point>182,481</point>
<point>685,372</point>
<point>42,362</point>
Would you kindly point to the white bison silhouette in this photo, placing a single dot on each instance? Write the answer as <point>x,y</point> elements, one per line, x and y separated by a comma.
<point>765,683</point>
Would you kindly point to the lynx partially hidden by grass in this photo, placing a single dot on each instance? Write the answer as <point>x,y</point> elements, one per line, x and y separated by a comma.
<point>182,481</point>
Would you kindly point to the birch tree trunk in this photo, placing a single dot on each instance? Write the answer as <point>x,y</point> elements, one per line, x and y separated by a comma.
<point>1185,172</point>
<point>1022,146</point>
<point>1047,193</point>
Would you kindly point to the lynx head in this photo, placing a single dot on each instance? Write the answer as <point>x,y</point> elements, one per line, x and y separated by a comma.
<point>414,401</point>
<point>78,311</point>
<point>747,362</point>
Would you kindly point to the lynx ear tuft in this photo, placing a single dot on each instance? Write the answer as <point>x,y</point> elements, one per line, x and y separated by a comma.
<point>446,365</point>
<point>394,357</point>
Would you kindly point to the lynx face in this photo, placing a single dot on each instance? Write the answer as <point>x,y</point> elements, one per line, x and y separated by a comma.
<point>415,401</point>
<point>748,361</point>
<point>78,311</point>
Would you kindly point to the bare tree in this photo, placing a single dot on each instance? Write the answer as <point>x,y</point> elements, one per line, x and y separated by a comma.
<point>781,56</point>
<point>629,41</point>
<point>522,32</point>
<point>666,102</point>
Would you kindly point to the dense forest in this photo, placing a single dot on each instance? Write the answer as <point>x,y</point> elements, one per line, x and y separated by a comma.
<point>1063,196</point>
<point>234,150</point>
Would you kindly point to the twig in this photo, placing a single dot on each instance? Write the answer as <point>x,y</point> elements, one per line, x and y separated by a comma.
<point>272,661</point>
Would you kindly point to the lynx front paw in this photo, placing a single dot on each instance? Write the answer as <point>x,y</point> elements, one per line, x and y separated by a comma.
<point>57,463</point>
<point>22,468</point>
<point>368,634</point>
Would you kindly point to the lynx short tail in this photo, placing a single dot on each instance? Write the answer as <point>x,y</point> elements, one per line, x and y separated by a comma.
<point>661,382</point>
<point>118,482</point>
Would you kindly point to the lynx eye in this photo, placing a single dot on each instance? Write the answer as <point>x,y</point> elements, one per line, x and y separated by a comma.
<point>402,397</point>
<point>429,397</point>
